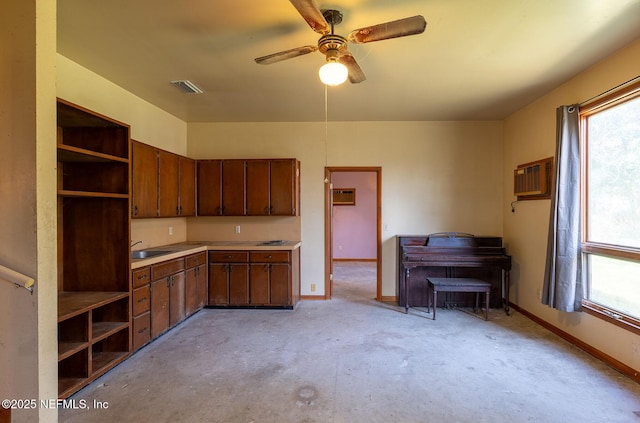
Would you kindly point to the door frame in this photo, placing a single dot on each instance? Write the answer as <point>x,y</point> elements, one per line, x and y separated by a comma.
<point>328,223</point>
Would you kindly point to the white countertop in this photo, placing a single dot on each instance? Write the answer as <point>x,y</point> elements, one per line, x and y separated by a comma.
<point>191,247</point>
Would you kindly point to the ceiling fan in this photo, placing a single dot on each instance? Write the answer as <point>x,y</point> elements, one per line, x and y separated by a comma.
<point>334,46</point>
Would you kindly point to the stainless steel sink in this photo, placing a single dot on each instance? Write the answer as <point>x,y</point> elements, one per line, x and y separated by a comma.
<point>141,254</point>
<point>272,242</point>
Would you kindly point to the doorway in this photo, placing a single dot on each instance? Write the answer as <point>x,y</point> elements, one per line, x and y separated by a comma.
<point>330,173</point>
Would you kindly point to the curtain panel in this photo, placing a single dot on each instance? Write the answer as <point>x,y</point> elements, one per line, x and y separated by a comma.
<point>563,287</point>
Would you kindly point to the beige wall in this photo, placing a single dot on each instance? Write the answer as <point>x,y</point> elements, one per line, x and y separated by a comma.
<point>149,124</point>
<point>431,173</point>
<point>529,134</point>
<point>28,333</point>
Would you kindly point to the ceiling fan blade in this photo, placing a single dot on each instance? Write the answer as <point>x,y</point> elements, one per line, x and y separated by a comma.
<point>400,28</point>
<point>355,72</point>
<point>284,55</point>
<point>312,14</point>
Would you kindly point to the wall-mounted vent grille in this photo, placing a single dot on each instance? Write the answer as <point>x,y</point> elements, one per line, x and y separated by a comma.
<point>533,180</point>
<point>187,86</point>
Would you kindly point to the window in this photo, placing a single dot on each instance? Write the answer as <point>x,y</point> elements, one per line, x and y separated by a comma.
<point>610,134</point>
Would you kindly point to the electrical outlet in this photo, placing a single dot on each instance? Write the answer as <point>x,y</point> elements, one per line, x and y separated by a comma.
<point>170,230</point>
<point>313,287</point>
<point>538,294</point>
<point>237,229</point>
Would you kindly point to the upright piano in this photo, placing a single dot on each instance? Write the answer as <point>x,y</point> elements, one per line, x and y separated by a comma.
<point>452,255</point>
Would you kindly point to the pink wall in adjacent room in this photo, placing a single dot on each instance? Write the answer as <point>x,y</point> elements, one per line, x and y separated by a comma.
<point>354,227</point>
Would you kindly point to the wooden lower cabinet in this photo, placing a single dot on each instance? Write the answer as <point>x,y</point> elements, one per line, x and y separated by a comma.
<point>164,294</point>
<point>176,299</point>
<point>254,278</point>
<point>228,278</point>
<point>159,307</point>
<point>196,284</point>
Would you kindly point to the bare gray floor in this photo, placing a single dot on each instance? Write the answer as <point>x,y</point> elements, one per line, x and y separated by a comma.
<point>353,359</point>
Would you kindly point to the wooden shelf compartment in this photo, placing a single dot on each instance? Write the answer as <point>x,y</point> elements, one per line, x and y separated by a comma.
<point>100,177</point>
<point>73,372</point>
<point>87,130</point>
<point>73,335</point>
<point>109,319</point>
<point>109,351</point>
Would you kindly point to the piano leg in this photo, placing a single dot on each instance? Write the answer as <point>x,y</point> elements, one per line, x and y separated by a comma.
<point>406,292</point>
<point>506,292</point>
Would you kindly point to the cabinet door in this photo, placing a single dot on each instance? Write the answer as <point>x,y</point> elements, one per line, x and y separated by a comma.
<point>218,284</point>
<point>259,284</point>
<point>187,171</point>
<point>279,282</point>
<point>284,187</point>
<point>191,300</point>
<point>209,187</point>
<point>159,306</point>
<point>233,187</point>
<point>168,184</point>
<point>238,284</point>
<point>258,188</point>
<point>145,180</point>
<point>201,286</point>
<point>176,299</point>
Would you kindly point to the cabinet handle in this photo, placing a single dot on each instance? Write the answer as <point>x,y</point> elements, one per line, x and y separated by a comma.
<point>269,256</point>
<point>178,211</point>
<point>142,330</point>
<point>140,277</point>
<point>267,210</point>
<point>143,299</point>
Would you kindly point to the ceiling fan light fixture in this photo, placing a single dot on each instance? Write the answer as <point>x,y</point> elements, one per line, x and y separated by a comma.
<point>333,73</point>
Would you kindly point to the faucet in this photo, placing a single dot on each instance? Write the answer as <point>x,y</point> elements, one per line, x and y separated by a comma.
<point>135,243</point>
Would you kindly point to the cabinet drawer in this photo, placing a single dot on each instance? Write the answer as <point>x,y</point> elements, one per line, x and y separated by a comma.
<point>141,300</point>
<point>228,256</point>
<point>269,257</point>
<point>196,260</point>
<point>141,330</point>
<point>141,277</point>
<point>164,269</point>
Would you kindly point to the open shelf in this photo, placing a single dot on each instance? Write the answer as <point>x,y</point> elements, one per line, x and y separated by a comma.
<point>74,303</point>
<point>71,154</point>
<point>89,194</point>
<point>94,258</point>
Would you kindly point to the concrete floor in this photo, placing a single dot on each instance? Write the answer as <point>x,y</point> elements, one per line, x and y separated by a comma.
<point>353,359</point>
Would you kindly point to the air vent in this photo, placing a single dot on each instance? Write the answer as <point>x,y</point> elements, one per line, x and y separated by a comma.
<point>187,86</point>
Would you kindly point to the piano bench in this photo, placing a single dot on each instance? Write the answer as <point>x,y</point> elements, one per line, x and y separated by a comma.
<point>458,285</point>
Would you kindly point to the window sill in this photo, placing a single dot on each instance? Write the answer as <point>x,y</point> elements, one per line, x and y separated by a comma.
<point>619,319</point>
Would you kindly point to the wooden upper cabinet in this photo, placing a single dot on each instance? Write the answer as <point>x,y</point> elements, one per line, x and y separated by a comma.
<point>145,180</point>
<point>233,187</point>
<point>209,187</point>
<point>258,183</point>
<point>187,186</point>
<point>168,184</point>
<point>284,188</point>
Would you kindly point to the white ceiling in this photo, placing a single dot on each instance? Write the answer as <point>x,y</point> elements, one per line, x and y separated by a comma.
<point>476,60</point>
